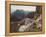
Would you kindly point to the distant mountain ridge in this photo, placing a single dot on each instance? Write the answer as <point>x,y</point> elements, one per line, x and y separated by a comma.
<point>20,14</point>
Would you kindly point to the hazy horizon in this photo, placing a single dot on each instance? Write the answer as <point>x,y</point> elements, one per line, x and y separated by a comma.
<point>25,8</point>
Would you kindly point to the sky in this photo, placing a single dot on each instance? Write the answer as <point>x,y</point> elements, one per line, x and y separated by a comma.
<point>25,8</point>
